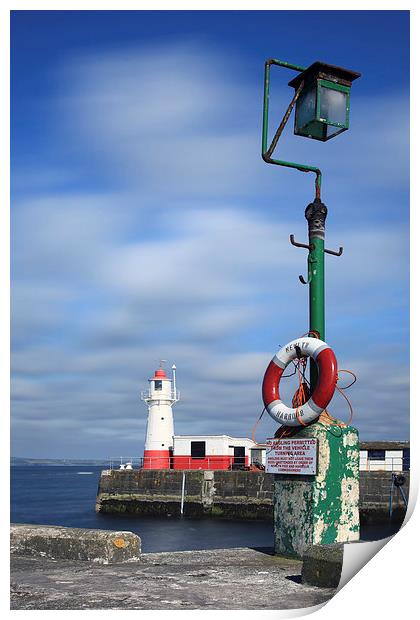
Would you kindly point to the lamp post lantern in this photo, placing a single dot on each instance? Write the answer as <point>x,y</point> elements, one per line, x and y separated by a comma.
<point>323,106</point>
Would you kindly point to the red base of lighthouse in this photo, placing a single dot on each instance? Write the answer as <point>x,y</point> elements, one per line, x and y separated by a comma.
<point>157,459</point>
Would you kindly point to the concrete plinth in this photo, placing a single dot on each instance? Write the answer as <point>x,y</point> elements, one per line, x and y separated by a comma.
<point>71,543</point>
<point>322,565</point>
<point>322,508</point>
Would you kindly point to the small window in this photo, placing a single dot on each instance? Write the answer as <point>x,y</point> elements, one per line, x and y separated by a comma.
<point>256,455</point>
<point>239,455</point>
<point>158,385</point>
<point>198,449</point>
<point>376,455</point>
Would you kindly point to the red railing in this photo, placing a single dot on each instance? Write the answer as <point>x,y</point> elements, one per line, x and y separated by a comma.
<point>178,462</point>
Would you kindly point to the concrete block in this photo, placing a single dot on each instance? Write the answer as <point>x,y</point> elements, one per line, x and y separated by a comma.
<point>321,508</point>
<point>68,543</point>
<point>322,565</point>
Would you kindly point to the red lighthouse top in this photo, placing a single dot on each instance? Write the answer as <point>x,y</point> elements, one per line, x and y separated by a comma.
<point>160,374</point>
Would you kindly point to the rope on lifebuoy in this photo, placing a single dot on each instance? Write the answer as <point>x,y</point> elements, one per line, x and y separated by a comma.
<point>326,361</point>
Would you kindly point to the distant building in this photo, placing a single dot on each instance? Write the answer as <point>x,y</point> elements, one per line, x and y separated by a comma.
<point>384,456</point>
<point>211,452</point>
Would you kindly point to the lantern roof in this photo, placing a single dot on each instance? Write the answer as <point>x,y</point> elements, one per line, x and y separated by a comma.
<point>160,374</point>
<point>325,71</point>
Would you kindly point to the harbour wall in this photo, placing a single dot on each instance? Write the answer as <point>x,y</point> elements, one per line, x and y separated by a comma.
<point>226,494</point>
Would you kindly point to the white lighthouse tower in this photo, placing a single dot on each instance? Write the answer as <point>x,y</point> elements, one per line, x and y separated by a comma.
<point>160,397</point>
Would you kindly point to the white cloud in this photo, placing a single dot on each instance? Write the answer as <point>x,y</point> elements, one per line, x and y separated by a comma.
<point>159,118</point>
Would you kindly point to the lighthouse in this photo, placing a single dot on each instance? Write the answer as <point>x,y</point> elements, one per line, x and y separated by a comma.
<point>159,398</point>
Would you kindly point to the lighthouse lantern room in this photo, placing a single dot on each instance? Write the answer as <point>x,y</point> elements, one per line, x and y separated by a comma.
<point>159,398</point>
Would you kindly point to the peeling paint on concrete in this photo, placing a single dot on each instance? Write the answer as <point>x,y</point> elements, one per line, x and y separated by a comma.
<point>321,509</point>
<point>319,528</point>
<point>351,439</point>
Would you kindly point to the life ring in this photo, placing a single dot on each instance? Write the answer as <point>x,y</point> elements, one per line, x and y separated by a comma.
<point>323,393</point>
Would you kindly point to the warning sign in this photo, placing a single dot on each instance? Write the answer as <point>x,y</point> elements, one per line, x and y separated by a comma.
<point>291,456</point>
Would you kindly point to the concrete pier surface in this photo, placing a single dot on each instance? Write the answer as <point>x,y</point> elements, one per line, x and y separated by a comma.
<point>240,578</point>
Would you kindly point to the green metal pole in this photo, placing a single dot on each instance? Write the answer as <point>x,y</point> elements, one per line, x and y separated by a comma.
<point>316,214</point>
<point>317,288</point>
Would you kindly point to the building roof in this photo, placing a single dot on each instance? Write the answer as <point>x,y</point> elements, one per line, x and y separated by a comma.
<point>384,445</point>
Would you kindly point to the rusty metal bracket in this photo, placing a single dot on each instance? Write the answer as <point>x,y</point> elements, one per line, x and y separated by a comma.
<point>267,151</point>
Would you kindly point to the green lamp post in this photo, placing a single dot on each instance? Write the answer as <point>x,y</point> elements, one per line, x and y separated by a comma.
<point>320,508</point>
<point>322,110</point>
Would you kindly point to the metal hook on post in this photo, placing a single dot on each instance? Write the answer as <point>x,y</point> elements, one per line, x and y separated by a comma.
<point>302,279</point>
<point>339,253</point>
<point>308,247</point>
<point>310,260</point>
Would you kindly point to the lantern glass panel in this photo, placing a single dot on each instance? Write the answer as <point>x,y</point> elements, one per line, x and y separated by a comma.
<point>333,106</point>
<point>305,109</point>
<point>332,130</point>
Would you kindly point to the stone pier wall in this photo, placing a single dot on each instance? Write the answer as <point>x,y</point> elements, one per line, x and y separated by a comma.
<point>375,492</point>
<point>223,494</point>
<point>226,494</point>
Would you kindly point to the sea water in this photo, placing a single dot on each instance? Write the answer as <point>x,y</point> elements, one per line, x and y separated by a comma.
<point>65,495</point>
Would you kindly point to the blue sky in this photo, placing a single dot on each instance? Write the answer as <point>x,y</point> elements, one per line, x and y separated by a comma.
<point>145,224</point>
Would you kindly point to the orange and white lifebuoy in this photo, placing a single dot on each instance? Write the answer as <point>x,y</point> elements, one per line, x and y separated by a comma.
<point>323,393</point>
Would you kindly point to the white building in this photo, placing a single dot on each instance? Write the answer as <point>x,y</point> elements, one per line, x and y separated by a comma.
<point>385,456</point>
<point>213,452</point>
